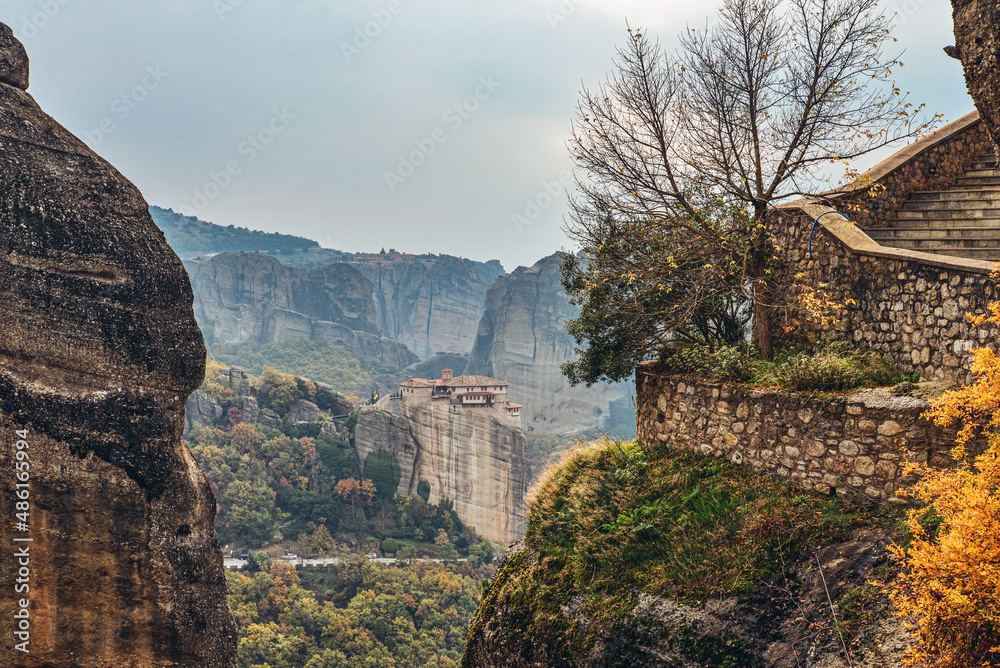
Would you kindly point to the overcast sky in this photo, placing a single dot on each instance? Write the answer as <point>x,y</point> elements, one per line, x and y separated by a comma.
<point>300,116</point>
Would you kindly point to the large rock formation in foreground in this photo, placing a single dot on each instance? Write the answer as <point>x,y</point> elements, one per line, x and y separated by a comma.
<point>977,45</point>
<point>98,352</point>
<point>253,298</point>
<point>522,337</point>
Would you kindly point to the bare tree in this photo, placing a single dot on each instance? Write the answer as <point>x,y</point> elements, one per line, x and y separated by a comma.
<point>683,155</point>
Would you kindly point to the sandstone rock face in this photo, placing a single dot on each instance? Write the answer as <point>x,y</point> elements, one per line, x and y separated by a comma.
<point>476,460</point>
<point>237,379</point>
<point>203,408</point>
<point>362,344</point>
<point>432,303</point>
<point>977,23</point>
<point>522,337</point>
<point>99,351</point>
<point>251,410</point>
<point>305,411</point>
<point>253,298</point>
<point>377,430</point>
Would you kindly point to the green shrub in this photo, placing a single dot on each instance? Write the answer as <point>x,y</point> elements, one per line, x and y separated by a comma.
<point>382,468</point>
<point>619,515</point>
<point>729,364</point>
<point>687,359</point>
<point>319,360</point>
<point>732,364</point>
<point>833,367</point>
<point>830,370</point>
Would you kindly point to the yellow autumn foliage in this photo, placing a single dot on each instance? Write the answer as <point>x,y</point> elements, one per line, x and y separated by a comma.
<point>950,580</point>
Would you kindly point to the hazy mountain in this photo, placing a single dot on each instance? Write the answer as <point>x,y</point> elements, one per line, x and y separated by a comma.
<point>192,237</point>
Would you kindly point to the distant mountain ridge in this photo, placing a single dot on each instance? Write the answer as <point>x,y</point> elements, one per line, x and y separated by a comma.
<point>251,298</point>
<point>394,310</point>
<point>193,237</point>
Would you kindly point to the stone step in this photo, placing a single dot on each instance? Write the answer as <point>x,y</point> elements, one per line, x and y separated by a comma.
<point>976,204</point>
<point>978,181</point>
<point>990,233</point>
<point>954,217</point>
<point>960,221</point>
<point>928,222</point>
<point>957,194</point>
<point>990,253</point>
<point>934,245</point>
<point>981,171</point>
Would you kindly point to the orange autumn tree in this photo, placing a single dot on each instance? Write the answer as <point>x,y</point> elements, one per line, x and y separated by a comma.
<point>950,582</point>
<point>355,492</point>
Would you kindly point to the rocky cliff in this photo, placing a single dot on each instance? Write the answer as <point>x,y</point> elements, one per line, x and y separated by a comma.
<point>783,622</point>
<point>431,303</point>
<point>522,337</point>
<point>253,298</point>
<point>118,564</point>
<point>474,459</point>
<point>977,45</point>
<point>640,555</point>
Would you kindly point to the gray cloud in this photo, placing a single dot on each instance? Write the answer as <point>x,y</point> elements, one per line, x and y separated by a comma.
<point>357,110</point>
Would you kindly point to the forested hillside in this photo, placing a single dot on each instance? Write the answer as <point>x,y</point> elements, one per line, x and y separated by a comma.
<point>354,615</point>
<point>192,237</point>
<point>278,453</point>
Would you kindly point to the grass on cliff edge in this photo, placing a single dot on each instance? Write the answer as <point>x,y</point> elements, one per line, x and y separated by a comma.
<point>619,516</point>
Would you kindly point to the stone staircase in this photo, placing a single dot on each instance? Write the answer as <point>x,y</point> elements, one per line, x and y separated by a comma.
<point>962,221</point>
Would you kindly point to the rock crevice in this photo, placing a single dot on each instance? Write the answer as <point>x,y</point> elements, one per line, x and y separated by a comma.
<point>522,337</point>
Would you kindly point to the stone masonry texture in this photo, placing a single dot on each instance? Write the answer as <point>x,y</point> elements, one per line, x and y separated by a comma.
<point>855,447</point>
<point>909,309</point>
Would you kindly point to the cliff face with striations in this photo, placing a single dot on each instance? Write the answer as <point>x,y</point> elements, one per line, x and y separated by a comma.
<point>476,460</point>
<point>431,303</point>
<point>253,298</point>
<point>522,337</point>
<point>99,350</point>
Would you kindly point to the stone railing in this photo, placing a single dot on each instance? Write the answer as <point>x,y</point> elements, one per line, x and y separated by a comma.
<point>906,304</point>
<point>856,447</point>
<point>383,404</point>
<point>931,163</point>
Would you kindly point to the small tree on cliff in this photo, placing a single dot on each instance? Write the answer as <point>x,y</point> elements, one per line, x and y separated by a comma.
<point>684,155</point>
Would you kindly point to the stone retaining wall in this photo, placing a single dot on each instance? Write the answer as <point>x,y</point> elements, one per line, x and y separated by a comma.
<point>910,309</point>
<point>907,304</point>
<point>855,447</point>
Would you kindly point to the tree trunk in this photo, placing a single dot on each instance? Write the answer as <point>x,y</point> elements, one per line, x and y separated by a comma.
<point>760,254</point>
<point>762,324</point>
